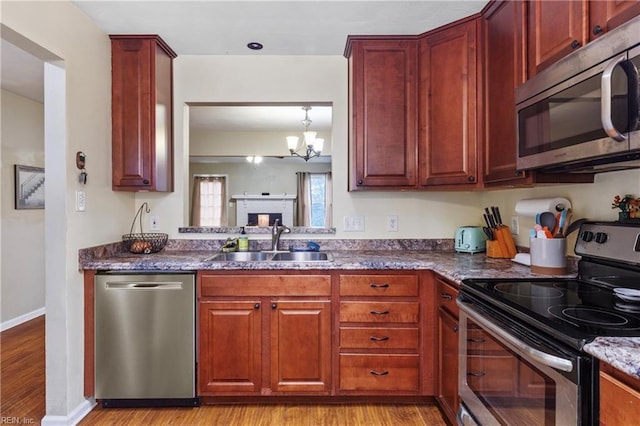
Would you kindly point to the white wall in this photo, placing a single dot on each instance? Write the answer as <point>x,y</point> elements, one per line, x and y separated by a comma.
<point>22,264</point>
<point>77,118</point>
<point>302,79</point>
<point>592,201</point>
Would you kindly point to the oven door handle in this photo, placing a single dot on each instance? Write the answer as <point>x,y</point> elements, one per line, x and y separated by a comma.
<point>552,361</point>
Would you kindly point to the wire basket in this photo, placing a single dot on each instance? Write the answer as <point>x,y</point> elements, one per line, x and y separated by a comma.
<point>143,243</point>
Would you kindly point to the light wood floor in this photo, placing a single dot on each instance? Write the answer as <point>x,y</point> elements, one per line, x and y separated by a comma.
<point>23,397</point>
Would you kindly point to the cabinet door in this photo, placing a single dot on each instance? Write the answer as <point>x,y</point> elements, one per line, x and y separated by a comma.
<point>448,364</point>
<point>606,15</point>
<point>448,125</point>
<point>383,125</point>
<point>230,355</point>
<point>142,135</point>
<point>301,346</point>
<point>556,28</point>
<point>504,34</point>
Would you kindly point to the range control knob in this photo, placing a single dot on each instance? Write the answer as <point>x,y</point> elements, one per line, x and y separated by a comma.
<point>601,237</point>
<point>587,236</point>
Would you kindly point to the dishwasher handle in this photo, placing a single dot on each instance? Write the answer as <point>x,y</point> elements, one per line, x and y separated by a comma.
<point>144,285</point>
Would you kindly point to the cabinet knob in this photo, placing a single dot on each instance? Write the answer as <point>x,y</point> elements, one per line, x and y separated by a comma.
<point>256,306</point>
<point>597,30</point>
<point>274,306</point>
<point>471,178</point>
<point>145,181</point>
<point>575,44</point>
<point>360,182</point>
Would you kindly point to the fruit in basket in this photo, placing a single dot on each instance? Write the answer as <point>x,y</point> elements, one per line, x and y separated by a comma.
<point>141,246</point>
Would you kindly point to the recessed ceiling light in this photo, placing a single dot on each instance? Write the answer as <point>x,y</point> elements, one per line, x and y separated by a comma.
<point>254,45</point>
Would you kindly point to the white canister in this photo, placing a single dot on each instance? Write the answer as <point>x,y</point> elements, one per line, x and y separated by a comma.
<point>548,255</point>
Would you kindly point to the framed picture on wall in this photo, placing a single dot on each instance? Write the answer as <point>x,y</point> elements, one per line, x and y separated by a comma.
<point>29,187</point>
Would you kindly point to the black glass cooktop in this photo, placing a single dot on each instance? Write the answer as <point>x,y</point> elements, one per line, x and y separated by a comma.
<point>567,309</point>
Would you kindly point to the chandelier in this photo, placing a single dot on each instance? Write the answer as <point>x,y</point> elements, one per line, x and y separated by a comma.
<point>311,146</point>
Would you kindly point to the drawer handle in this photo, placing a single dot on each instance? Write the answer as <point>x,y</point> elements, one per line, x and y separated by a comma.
<point>478,374</point>
<point>379,373</point>
<point>476,340</point>
<point>379,339</point>
<point>374,285</point>
<point>379,312</point>
<point>446,296</point>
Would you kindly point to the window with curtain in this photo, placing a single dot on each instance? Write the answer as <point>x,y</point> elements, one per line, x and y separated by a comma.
<point>314,200</point>
<point>209,206</point>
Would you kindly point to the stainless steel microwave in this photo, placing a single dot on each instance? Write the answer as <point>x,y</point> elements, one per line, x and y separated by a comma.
<point>582,113</point>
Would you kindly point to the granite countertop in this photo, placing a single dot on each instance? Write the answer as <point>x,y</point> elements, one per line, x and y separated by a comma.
<point>435,255</point>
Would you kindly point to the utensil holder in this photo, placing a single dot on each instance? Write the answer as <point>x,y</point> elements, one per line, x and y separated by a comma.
<point>548,255</point>
<point>502,246</point>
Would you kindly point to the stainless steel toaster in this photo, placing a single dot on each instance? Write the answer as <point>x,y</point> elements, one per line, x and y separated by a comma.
<point>470,239</point>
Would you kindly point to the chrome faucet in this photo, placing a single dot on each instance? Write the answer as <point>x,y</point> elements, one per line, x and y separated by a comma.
<point>276,231</point>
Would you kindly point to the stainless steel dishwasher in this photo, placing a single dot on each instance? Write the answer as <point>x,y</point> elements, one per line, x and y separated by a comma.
<point>145,339</point>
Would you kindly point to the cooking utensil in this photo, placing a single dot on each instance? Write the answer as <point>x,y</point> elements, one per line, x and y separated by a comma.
<point>567,221</point>
<point>548,220</point>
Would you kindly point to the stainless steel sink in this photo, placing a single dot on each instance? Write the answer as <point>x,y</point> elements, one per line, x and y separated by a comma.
<point>302,256</point>
<point>240,256</point>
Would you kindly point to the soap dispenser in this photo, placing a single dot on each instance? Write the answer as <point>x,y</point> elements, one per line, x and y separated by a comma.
<point>243,241</point>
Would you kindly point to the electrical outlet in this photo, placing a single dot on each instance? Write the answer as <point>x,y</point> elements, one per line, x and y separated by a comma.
<point>154,223</point>
<point>515,225</point>
<point>353,223</point>
<point>81,201</point>
<point>392,223</point>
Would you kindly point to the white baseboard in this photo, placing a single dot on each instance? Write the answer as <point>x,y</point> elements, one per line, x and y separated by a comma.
<point>21,319</point>
<point>73,418</point>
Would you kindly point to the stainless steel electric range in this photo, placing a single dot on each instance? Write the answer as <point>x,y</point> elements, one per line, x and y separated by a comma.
<point>520,339</point>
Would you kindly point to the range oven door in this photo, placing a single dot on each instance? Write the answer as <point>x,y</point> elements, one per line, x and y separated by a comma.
<point>508,376</point>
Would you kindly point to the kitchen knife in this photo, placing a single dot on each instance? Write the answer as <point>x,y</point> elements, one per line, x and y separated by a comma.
<point>492,222</point>
<point>496,213</point>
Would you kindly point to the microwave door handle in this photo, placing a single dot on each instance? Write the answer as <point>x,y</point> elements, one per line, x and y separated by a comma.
<point>552,361</point>
<point>605,103</point>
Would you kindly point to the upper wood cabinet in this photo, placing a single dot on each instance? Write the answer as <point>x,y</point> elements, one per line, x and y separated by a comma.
<point>142,113</point>
<point>557,28</point>
<point>448,141</point>
<point>383,93</point>
<point>606,15</point>
<point>504,52</point>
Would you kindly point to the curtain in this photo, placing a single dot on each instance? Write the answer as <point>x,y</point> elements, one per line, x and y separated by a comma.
<point>303,199</point>
<point>209,207</point>
<point>305,196</point>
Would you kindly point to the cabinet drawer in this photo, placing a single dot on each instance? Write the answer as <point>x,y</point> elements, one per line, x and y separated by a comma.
<point>379,338</point>
<point>378,285</point>
<point>401,312</point>
<point>446,295</point>
<point>492,374</point>
<point>480,342</point>
<point>264,285</point>
<point>379,372</point>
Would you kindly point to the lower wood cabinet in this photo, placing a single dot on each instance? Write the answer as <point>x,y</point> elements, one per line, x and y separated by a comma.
<point>447,348</point>
<point>380,334</point>
<point>619,397</point>
<point>264,334</point>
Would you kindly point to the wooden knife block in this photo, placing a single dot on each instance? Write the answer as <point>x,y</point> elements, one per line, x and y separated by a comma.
<point>502,246</point>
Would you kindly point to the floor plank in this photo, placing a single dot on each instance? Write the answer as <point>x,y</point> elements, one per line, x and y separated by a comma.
<point>23,398</point>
